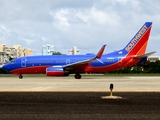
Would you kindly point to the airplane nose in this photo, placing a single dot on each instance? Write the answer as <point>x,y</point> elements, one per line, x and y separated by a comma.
<point>5,67</point>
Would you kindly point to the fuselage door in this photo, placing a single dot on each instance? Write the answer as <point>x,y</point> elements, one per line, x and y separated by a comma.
<point>67,61</point>
<point>120,61</point>
<point>23,62</point>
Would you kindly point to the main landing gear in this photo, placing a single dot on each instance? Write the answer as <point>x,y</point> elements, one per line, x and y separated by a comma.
<point>77,76</point>
<point>20,76</point>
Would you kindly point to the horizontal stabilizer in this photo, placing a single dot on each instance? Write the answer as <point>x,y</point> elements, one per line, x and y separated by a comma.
<point>144,55</point>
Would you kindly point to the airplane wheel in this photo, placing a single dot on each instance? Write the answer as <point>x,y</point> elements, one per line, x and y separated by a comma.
<point>20,77</point>
<point>77,76</point>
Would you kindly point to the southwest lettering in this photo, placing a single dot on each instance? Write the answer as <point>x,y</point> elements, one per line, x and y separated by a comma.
<point>136,38</point>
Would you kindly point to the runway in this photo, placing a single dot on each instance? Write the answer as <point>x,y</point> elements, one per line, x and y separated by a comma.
<point>87,84</point>
<point>69,99</point>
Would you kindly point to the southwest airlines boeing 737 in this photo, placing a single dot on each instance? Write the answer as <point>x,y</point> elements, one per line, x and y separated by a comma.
<point>63,65</point>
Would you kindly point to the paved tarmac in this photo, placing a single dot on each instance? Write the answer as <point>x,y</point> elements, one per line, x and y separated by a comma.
<point>88,83</point>
<point>40,98</point>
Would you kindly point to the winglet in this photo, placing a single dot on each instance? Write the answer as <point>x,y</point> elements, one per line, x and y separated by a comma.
<point>99,54</point>
<point>85,62</point>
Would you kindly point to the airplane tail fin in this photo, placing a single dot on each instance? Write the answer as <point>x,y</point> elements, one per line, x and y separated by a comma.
<point>138,44</point>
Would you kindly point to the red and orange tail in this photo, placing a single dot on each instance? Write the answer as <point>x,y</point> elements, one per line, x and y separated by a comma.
<point>138,44</point>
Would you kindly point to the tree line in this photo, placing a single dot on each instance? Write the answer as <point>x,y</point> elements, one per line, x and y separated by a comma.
<point>145,67</point>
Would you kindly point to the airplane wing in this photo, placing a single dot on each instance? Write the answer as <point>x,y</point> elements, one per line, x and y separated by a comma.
<point>144,55</point>
<point>85,63</point>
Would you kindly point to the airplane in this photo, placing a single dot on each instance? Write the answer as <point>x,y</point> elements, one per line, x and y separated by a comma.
<point>64,65</point>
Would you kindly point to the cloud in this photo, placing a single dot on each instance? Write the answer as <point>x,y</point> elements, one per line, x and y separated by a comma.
<point>103,17</point>
<point>67,17</point>
<point>85,24</point>
<point>60,18</point>
<point>4,31</point>
<point>28,41</point>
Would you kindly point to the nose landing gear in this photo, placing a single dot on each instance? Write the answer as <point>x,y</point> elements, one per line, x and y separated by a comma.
<point>20,76</point>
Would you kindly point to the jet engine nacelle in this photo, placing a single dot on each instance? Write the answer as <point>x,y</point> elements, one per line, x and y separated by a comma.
<point>56,71</point>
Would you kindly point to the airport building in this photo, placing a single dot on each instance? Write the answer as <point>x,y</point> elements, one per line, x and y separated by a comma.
<point>153,58</point>
<point>12,52</point>
<point>74,51</point>
<point>47,49</point>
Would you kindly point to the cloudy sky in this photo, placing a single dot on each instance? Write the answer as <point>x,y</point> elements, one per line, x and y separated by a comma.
<point>87,24</point>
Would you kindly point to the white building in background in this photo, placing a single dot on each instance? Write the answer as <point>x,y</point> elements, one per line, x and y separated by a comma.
<point>74,51</point>
<point>153,58</point>
<point>47,49</point>
<point>12,52</point>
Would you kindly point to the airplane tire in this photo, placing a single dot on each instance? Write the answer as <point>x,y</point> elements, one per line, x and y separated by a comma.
<point>20,77</point>
<point>77,76</point>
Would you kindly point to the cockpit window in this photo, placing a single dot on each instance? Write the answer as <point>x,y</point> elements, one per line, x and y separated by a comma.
<point>12,61</point>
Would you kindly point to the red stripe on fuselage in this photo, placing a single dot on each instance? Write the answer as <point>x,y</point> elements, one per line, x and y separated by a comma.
<point>30,70</point>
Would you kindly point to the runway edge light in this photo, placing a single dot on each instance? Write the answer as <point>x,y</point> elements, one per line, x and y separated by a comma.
<point>111,89</point>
